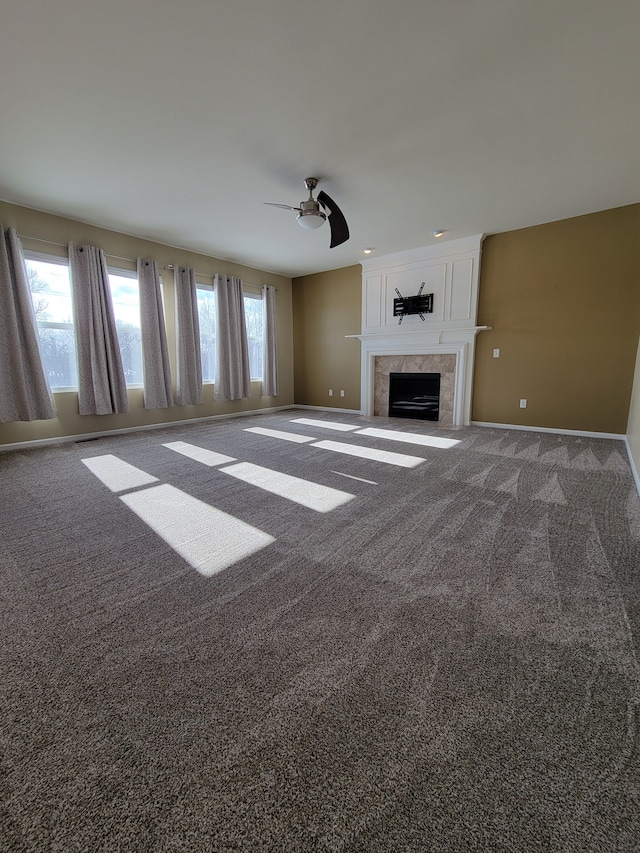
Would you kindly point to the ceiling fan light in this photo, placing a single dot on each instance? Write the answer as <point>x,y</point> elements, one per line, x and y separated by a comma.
<point>311,219</point>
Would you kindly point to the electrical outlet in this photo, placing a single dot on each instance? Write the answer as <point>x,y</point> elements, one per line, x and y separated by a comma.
<point>523,404</point>
<point>342,393</point>
<point>331,392</point>
<point>496,353</point>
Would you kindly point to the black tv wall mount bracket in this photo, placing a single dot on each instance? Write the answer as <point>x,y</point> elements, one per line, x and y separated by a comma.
<point>418,304</point>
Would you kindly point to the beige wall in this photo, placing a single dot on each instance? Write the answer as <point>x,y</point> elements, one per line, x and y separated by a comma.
<point>326,307</point>
<point>633,428</point>
<point>59,231</point>
<point>564,302</point>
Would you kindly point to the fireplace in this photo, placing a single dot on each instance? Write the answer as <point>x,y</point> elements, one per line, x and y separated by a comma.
<point>444,365</point>
<point>441,342</point>
<point>414,395</point>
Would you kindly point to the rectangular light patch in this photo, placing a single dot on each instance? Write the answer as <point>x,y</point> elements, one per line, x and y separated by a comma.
<point>116,474</point>
<point>324,424</point>
<point>409,438</point>
<point>303,492</point>
<point>276,433</point>
<point>199,454</point>
<point>351,477</point>
<point>400,459</point>
<point>207,538</point>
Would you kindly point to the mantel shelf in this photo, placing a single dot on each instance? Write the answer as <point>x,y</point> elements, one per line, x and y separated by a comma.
<point>420,333</point>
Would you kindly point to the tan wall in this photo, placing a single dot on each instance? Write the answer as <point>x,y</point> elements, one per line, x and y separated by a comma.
<point>564,302</point>
<point>326,307</point>
<point>59,231</point>
<point>633,428</point>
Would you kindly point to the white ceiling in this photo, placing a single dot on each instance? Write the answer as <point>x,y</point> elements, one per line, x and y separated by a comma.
<point>176,121</point>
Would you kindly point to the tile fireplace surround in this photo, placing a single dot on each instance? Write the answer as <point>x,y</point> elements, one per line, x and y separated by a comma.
<point>445,365</point>
<point>443,343</point>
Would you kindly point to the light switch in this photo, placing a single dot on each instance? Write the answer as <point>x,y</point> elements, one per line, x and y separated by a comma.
<point>496,353</point>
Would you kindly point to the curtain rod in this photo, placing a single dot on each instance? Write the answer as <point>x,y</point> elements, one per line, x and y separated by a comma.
<point>131,260</point>
<point>65,245</point>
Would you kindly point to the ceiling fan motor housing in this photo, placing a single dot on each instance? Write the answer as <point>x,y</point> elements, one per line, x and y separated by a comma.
<point>310,215</point>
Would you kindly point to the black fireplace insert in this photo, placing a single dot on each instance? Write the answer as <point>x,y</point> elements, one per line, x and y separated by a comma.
<point>414,395</point>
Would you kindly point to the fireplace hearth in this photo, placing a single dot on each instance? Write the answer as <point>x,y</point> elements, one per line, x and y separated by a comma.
<point>414,395</point>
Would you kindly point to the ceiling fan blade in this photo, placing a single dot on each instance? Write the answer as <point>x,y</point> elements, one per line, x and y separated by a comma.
<point>339,227</point>
<point>284,206</point>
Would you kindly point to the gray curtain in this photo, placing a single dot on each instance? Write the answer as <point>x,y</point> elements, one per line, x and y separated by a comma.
<point>102,389</point>
<point>24,391</point>
<point>269,348</point>
<point>232,378</point>
<point>189,379</point>
<point>155,353</point>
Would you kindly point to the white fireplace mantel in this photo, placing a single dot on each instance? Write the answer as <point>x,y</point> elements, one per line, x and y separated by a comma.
<point>450,271</point>
<point>458,342</point>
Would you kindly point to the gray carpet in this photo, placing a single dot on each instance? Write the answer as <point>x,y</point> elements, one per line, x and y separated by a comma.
<point>444,661</point>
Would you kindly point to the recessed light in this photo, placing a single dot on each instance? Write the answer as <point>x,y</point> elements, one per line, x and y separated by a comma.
<point>367,251</point>
<point>440,232</point>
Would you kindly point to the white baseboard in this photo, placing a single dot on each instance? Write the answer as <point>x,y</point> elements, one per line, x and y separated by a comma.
<point>634,470</point>
<point>611,435</point>
<point>585,433</point>
<point>86,436</point>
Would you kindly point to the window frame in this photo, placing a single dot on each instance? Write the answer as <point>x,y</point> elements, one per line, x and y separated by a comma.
<point>210,288</point>
<point>258,298</point>
<point>122,272</point>
<point>63,261</point>
<point>246,294</point>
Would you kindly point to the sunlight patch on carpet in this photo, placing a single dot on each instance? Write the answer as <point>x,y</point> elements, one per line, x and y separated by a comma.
<point>390,458</point>
<point>351,477</point>
<point>409,438</point>
<point>199,454</point>
<point>303,492</point>
<point>207,538</point>
<point>324,424</point>
<point>277,433</point>
<point>116,474</point>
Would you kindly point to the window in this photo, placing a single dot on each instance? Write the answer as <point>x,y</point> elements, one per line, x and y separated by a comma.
<point>207,317</point>
<point>125,295</point>
<point>207,320</point>
<point>50,286</point>
<point>51,295</point>
<point>253,310</point>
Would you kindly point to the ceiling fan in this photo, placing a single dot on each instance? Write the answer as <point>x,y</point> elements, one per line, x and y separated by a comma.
<point>311,216</point>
